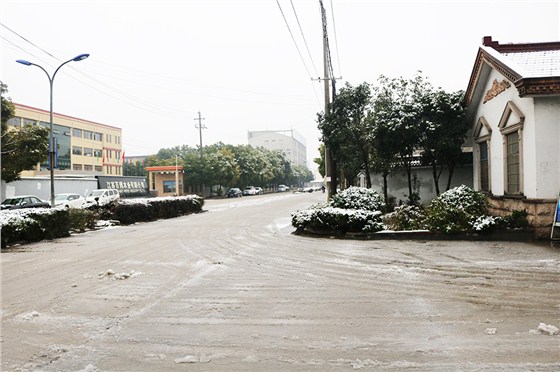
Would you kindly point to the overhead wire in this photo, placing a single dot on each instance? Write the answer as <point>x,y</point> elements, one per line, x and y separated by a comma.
<point>336,41</point>
<point>122,96</point>
<point>304,39</point>
<point>297,48</point>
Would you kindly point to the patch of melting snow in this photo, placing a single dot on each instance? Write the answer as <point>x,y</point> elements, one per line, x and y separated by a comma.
<point>30,315</point>
<point>89,368</point>
<point>193,359</point>
<point>119,276</point>
<point>547,329</point>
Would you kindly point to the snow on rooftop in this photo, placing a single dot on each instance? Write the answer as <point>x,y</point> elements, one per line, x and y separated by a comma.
<point>530,64</point>
<point>544,63</point>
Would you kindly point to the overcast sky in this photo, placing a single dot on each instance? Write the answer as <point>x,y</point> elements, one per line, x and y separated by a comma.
<point>155,64</point>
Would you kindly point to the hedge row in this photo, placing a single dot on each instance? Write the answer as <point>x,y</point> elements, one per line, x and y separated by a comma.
<point>32,225</point>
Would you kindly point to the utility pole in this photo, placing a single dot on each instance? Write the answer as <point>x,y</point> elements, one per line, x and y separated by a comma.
<point>328,77</point>
<point>200,127</point>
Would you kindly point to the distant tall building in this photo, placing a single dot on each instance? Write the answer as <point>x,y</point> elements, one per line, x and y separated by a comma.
<point>290,142</point>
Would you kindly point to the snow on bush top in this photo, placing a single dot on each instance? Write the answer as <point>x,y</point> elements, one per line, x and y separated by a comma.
<point>357,198</point>
<point>15,215</point>
<point>463,198</point>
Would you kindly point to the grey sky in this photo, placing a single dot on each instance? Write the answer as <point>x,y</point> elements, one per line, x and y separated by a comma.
<point>155,64</point>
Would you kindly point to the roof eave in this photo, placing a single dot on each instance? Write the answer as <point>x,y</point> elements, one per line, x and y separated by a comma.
<point>481,58</point>
<point>540,86</point>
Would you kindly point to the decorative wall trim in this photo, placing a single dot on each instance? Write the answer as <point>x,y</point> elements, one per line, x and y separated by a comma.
<point>496,89</point>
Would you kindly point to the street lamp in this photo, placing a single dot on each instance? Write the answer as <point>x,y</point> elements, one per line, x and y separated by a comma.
<point>79,58</point>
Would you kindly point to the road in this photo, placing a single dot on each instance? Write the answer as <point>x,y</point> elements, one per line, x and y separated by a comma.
<point>231,289</point>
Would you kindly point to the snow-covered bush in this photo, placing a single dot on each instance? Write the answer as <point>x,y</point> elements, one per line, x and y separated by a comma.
<point>357,198</point>
<point>33,224</point>
<point>487,223</point>
<point>456,210</point>
<point>337,219</point>
<point>405,217</point>
<point>352,210</point>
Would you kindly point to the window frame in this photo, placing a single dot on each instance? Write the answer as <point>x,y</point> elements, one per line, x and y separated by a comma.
<point>509,130</point>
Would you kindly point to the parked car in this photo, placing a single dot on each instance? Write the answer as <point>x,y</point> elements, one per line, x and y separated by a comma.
<point>102,196</point>
<point>282,188</point>
<point>69,200</point>
<point>234,192</point>
<point>249,190</point>
<point>258,190</point>
<point>24,201</point>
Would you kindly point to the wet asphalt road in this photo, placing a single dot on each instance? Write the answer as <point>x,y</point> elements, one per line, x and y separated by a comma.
<point>233,289</point>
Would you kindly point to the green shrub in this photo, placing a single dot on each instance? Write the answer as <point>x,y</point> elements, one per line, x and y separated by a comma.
<point>456,210</point>
<point>81,219</point>
<point>405,217</point>
<point>517,220</point>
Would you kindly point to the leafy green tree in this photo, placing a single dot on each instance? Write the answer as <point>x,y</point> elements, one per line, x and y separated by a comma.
<point>22,148</point>
<point>220,167</point>
<point>134,169</point>
<point>444,130</point>
<point>346,132</point>
<point>399,109</point>
<point>320,161</point>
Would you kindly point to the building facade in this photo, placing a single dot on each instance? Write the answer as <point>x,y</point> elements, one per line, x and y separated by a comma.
<point>513,102</point>
<point>82,147</point>
<point>289,142</point>
<point>166,180</point>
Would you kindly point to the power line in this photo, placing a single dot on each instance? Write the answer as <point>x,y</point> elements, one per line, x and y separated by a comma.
<point>30,42</point>
<point>336,41</point>
<point>297,48</point>
<point>304,40</point>
<point>293,39</point>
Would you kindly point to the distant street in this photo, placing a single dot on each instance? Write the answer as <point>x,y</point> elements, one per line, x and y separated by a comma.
<point>231,289</point>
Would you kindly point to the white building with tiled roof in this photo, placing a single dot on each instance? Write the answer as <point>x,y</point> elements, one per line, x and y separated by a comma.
<point>513,101</point>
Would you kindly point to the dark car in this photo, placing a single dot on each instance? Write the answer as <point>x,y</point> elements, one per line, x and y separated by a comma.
<point>234,192</point>
<point>24,201</point>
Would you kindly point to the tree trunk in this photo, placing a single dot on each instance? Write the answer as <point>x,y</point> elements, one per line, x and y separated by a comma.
<point>368,178</point>
<point>333,175</point>
<point>408,169</point>
<point>451,168</point>
<point>435,177</point>
<point>385,188</point>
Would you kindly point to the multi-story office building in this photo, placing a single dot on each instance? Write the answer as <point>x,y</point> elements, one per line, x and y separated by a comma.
<point>82,146</point>
<point>290,142</point>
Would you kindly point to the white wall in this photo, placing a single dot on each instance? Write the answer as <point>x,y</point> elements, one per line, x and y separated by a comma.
<point>492,111</point>
<point>41,187</point>
<point>397,183</point>
<point>547,128</point>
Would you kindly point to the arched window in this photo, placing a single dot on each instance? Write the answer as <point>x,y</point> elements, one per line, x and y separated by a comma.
<point>482,136</point>
<point>511,127</point>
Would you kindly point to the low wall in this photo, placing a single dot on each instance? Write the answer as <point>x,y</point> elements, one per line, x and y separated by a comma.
<point>540,212</point>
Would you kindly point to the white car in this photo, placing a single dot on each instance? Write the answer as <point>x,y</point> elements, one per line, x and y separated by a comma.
<point>69,200</point>
<point>282,188</point>
<point>249,190</point>
<point>102,196</point>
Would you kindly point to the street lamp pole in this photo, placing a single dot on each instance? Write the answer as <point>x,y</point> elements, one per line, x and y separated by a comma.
<point>52,159</point>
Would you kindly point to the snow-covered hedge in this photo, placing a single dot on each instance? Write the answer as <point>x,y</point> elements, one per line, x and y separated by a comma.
<point>35,224</point>
<point>129,211</point>
<point>460,209</point>
<point>360,198</point>
<point>353,210</point>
